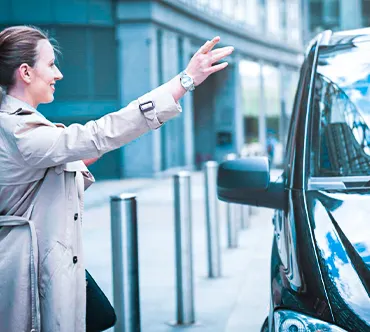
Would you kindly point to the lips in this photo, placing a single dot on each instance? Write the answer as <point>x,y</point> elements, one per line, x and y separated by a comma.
<point>52,86</point>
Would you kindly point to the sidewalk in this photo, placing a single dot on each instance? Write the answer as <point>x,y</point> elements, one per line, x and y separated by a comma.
<point>236,302</point>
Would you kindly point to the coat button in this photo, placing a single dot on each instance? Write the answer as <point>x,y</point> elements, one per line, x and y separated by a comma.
<point>76,216</point>
<point>75,259</point>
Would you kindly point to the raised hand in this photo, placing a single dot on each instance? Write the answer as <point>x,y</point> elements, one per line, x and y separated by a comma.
<point>202,65</point>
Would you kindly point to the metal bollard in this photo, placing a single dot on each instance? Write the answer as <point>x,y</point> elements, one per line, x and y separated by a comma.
<point>249,211</point>
<point>238,217</point>
<point>245,216</point>
<point>125,262</point>
<point>233,215</point>
<point>232,226</point>
<point>184,250</point>
<point>212,222</point>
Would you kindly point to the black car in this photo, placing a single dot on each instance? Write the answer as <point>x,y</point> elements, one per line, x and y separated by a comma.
<point>320,263</point>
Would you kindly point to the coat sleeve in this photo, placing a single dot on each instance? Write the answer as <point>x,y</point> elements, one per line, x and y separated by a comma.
<point>43,145</point>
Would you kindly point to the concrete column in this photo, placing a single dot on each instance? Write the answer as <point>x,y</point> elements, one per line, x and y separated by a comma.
<point>155,81</point>
<point>147,59</point>
<point>188,110</point>
<point>138,74</point>
<point>238,114</point>
<point>262,114</point>
<point>172,132</point>
<point>350,13</point>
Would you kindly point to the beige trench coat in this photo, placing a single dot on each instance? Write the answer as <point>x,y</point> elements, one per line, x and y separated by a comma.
<point>42,181</point>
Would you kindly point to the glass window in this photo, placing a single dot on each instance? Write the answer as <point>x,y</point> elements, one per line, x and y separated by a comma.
<point>293,17</point>
<point>252,12</point>
<point>240,10</point>
<point>283,17</point>
<point>203,3</point>
<point>215,5</point>
<point>81,48</point>
<point>292,78</point>
<point>105,64</point>
<point>324,15</point>
<point>262,4</point>
<point>229,8</point>
<point>341,136</point>
<point>73,63</point>
<point>290,82</point>
<point>250,73</point>
<point>274,16</point>
<point>331,14</point>
<point>271,82</point>
<point>316,19</point>
<point>365,13</point>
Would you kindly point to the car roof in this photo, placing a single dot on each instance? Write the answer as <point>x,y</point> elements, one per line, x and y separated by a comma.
<point>349,36</point>
<point>340,38</point>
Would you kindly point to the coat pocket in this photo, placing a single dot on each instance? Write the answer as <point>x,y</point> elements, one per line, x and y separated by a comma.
<point>51,265</point>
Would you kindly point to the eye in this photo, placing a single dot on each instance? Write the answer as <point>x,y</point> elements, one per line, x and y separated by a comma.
<point>52,64</point>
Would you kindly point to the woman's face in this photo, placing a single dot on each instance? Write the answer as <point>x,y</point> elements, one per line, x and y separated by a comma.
<point>44,75</point>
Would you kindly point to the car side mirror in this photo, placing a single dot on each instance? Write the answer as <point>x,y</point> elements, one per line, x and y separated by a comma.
<point>249,181</point>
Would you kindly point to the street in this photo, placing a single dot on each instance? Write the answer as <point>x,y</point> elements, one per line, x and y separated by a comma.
<point>238,301</point>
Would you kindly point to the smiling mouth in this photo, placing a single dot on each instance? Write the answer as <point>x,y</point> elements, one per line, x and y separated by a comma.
<point>52,86</point>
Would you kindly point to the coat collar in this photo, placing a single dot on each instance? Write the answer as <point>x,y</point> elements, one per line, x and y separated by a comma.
<point>12,105</point>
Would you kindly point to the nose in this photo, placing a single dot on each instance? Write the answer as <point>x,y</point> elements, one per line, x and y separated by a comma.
<point>58,74</point>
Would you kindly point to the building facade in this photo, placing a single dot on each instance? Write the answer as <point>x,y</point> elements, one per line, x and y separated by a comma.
<point>114,51</point>
<point>338,15</point>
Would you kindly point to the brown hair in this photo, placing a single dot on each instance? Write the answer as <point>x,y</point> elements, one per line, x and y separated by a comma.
<point>18,44</point>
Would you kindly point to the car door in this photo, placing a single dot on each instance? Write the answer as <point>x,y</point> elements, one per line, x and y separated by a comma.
<point>291,230</point>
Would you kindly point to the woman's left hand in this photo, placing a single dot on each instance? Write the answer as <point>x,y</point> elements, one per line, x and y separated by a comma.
<point>201,64</point>
<point>90,161</point>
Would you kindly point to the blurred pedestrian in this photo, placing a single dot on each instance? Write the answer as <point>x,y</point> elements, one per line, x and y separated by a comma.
<point>43,177</point>
<point>271,144</point>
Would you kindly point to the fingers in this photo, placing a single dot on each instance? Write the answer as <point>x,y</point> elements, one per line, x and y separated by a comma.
<point>212,44</point>
<point>201,64</point>
<point>216,68</point>
<point>222,49</point>
<point>209,45</point>
<point>202,48</point>
<point>220,53</point>
<point>218,50</point>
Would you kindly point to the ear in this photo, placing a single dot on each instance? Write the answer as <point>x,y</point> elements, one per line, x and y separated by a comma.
<point>25,72</point>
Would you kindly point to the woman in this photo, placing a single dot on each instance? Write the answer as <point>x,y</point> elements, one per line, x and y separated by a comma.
<point>43,178</point>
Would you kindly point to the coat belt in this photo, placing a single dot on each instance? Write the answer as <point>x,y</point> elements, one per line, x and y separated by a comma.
<point>13,221</point>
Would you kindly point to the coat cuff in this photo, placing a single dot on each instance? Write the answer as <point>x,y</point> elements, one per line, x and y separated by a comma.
<point>158,106</point>
<point>88,179</point>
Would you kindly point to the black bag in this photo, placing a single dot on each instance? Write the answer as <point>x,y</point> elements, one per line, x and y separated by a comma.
<point>100,314</point>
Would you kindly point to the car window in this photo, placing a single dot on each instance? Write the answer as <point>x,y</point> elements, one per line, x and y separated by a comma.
<point>341,111</point>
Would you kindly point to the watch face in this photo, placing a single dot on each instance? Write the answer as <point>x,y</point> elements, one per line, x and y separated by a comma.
<point>187,81</point>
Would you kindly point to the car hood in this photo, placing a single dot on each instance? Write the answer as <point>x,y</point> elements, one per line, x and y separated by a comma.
<point>341,229</point>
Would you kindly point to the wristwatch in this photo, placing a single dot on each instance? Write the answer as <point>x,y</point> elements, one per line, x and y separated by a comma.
<point>186,81</point>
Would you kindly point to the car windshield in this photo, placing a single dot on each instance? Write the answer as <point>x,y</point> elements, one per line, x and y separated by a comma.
<point>341,111</point>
